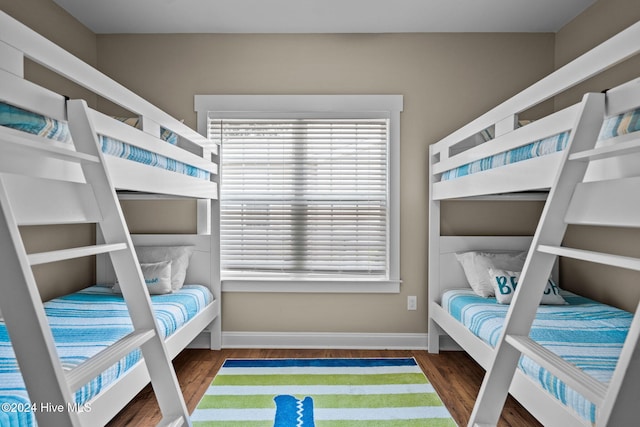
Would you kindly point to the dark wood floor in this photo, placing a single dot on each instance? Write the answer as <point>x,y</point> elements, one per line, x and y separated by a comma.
<point>454,375</point>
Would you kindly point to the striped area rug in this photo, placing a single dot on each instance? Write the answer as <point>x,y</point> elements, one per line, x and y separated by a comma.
<point>386,392</point>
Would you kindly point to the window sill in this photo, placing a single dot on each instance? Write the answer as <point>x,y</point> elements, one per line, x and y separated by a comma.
<point>312,286</point>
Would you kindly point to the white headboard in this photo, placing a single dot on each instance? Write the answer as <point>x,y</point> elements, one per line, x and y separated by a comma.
<point>199,271</point>
<point>450,273</point>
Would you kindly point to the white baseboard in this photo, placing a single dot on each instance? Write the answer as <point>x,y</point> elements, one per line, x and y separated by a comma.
<point>299,340</point>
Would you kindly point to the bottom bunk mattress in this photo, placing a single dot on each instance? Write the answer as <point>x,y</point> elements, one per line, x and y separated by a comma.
<point>83,323</point>
<point>586,333</point>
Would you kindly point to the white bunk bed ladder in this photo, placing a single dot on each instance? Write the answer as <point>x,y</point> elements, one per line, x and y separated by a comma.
<point>46,380</point>
<point>616,401</point>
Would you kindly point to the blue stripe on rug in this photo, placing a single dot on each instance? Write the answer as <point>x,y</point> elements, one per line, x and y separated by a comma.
<point>283,363</point>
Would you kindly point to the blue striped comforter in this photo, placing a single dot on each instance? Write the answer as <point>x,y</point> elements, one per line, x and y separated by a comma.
<point>36,124</point>
<point>586,333</point>
<point>123,150</point>
<point>84,323</point>
<point>613,126</point>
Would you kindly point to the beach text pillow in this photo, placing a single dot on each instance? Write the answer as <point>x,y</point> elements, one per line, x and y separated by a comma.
<point>157,277</point>
<point>178,255</point>
<point>476,267</point>
<point>505,283</point>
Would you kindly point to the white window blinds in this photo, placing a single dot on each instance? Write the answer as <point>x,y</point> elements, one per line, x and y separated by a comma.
<point>303,196</point>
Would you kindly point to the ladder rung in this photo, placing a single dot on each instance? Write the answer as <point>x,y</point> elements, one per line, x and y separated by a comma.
<point>570,374</point>
<point>173,422</point>
<point>591,256</point>
<point>92,367</point>
<point>13,138</point>
<point>63,254</point>
<point>616,149</point>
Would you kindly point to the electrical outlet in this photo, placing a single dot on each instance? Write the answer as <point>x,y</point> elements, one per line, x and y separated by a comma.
<point>412,302</point>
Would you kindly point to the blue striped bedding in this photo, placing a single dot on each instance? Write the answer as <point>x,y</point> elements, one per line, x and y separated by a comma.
<point>613,126</point>
<point>17,118</point>
<point>123,150</point>
<point>586,333</point>
<point>36,124</point>
<point>84,323</point>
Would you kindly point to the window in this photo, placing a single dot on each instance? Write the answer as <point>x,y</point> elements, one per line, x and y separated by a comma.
<point>306,191</point>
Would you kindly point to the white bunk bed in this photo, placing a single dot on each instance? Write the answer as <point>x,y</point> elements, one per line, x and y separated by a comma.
<point>515,163</point>
<point>41,165</point>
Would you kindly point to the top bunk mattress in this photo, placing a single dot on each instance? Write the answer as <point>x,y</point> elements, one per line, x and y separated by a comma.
<point>586,333</point>
<point>56,130</point>
<point>622,124</point>
<point>83,323</point>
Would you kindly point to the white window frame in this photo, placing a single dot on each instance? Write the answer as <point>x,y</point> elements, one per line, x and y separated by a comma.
<point>328,106</point>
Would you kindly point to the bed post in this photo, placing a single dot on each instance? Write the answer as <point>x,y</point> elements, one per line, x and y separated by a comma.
<point>433,334</point>
<point>209,223</point>
<point>216,282</point>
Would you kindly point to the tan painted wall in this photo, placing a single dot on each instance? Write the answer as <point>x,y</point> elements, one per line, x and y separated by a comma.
<point>54,23</point>
<point>595,25</point>
<point>446,80</point>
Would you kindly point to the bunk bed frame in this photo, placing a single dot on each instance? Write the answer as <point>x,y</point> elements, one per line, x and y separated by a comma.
<point>37,174</point>
<point>607,187</point>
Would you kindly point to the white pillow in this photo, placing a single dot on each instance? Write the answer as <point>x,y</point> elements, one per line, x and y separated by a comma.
<point>178,255</point>
<point>157,276</point>
<point>476,267</point>
<point>505,283</point>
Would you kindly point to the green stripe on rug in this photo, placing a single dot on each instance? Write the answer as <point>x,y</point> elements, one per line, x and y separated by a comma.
<point>321,393</point>
<point>326,401</point>
<point>319,379</point>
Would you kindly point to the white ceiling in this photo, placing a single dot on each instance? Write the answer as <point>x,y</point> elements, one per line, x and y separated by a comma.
<point>323,16</point>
